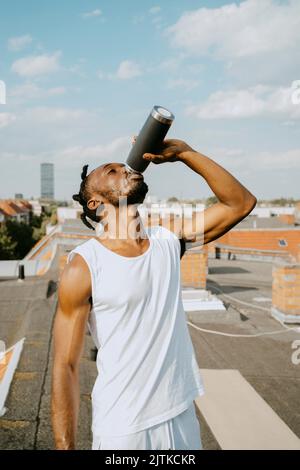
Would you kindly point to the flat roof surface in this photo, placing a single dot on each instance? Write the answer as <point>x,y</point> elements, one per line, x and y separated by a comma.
<point>253,221</point>
<point>27,309</point>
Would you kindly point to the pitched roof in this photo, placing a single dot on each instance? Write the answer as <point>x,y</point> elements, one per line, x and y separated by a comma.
<point>11,208</point>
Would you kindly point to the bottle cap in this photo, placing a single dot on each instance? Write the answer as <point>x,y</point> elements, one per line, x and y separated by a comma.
<point>162,114</point>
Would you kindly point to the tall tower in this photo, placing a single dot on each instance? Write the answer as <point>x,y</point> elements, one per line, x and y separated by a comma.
<point>47,180</point>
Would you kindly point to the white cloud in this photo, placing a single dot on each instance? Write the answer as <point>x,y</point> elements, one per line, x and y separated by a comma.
<point>137,19</point>
<point>26,91</point>
<point>29,91</point>
<point>185,83</point>
<point>77,69</point>
<point>155,10</point>
<point>100,74</point>
<point>96,154</point>
<point>59,90</point>
<point>54,115</point>
<point>19,42</point>
<point>140,18</point>
<point>238,30</point>
<point>43,129</point>
<point>245,103</point>
<point>289,159</point>
<point>65,157</point>
<point>127,70</point>
<point>257,162</point>
<point>33,66</point>
<point>171,64</point>
<point>157,20</point>
<point>289,123</point>
<point>6,119</point>
<point>92,14</point>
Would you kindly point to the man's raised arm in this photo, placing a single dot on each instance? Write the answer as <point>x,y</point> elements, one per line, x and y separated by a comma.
<point>235,202</point>
<point>68,334</point>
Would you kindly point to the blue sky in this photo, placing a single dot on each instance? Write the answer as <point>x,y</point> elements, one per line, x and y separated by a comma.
<point>82,76</point>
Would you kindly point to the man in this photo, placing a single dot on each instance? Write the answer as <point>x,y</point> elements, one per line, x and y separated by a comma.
<point>125,284</point>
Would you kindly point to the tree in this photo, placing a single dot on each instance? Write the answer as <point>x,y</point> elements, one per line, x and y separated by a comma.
<point>53,218</point>
<point>211,200</point>
<point>17,238</point>
<point>7,245</point>
<point>22,234</point>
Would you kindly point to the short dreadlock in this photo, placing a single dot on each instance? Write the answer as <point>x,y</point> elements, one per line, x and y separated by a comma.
<point>83,197</point>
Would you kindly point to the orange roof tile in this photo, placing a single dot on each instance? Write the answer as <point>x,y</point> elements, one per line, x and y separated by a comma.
<point>23,203</point>
<point>7,209</point>
<point>10,207</point>
<point>16,207</point>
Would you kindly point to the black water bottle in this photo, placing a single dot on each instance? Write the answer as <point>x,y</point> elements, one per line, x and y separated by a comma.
<point>150,138</point>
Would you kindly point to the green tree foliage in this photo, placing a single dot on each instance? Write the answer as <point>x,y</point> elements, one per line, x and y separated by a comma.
<point>22,234</point>
<point>211,200</point>
<point>53,218</point>
<point>282,202</point>
<point>17,238</point>
<point>7,244</point>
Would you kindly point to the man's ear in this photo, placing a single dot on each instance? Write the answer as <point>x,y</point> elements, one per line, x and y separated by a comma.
<point>93,204</point>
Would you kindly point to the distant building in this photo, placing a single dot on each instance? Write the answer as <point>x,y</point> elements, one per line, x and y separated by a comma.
<point>18,196</point>
<point>67,213</point>
<point>18,210</point>
<point>47,180</point>
<point>36,207</point>
<point>272,211</point>
<point>170,209</point>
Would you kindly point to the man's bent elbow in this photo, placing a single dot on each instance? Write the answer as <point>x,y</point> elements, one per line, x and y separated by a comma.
<point>245,208</point>
<point>249,205</point>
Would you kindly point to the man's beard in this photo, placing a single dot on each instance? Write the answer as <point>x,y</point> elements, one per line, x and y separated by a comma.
<point>136,194</point>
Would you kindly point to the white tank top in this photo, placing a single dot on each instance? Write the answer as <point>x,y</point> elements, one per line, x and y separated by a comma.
<point>147,370</point>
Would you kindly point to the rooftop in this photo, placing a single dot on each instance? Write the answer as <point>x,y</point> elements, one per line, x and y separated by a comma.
<point>27,309</point>
<point>255,222</point>
<point>14,207</point>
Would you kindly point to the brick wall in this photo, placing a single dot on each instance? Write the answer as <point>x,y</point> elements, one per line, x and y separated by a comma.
<point>193,262</point>
<point>261,239</point>
<point>194,269</point>
<point>286,291</point>
<point>287,218</point>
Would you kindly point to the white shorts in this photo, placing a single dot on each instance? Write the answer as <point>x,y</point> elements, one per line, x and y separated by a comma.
<point>181,433</point>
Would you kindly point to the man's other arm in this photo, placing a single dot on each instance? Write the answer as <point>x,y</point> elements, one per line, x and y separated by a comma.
<point>68,335</point>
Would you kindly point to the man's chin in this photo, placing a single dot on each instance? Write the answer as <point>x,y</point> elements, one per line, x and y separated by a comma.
<point>137,194</point>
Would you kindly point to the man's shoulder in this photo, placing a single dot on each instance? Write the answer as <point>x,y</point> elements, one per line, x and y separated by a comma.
<point>82,251</point>
<point>82,246</point>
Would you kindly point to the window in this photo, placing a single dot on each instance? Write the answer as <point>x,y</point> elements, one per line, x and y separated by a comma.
<point>282,242</point>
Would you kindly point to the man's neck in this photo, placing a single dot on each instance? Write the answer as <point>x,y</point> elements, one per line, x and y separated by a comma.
<point>124,224</point>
